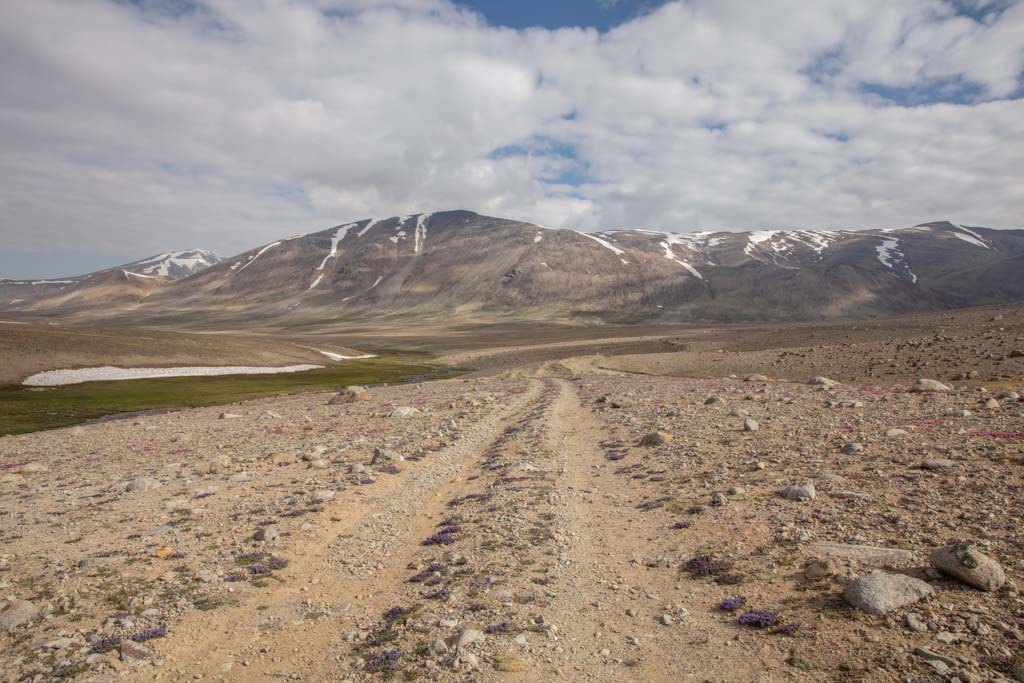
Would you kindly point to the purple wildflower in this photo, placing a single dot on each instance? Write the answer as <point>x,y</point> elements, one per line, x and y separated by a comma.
<point>439,594</point>
<point>105,645</point>
<point>759,618</point>
<point>732,604</point>
<point>396,612</point>
<point>503,627</point>
<point>258,570</point>
<point>440,539</point>
<point>385,662</point>
<point>149,634</point>
<point>681,524</point>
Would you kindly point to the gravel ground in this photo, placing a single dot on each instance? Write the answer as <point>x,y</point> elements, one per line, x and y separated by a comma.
<point>563,523</point>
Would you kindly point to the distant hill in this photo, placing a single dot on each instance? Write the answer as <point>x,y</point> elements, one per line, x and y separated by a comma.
<point>459,263</point>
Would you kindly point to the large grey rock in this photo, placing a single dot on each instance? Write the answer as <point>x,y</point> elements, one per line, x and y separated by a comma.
<point>382,455</point>
<point>17,612</point>
<point>141,485</point>
<point>799,492</point>
<point>880,592</point>
<point>655,439</point>
<point>824,382</point>
<point>350,394</point>
<point>968,565</point>
<point>865,554</point>
<point>930,385</point>
<point>466,637</point>
<point>404,411</point>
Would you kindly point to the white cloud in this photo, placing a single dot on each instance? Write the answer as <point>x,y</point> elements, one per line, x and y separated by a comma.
<point>132,129</point>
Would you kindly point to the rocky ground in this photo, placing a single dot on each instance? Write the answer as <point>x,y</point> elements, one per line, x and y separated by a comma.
<point>561,522</point>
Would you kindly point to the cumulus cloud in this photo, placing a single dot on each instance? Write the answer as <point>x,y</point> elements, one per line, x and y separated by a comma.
<point>136,126</point>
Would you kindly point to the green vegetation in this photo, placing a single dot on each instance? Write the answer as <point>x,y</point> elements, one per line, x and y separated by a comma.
<point>28,409</point>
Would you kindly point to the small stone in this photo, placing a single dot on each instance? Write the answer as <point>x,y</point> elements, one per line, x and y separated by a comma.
<point>267,534</point>
<point>756,378</point>
<point>751,425</point>
<point>718,498</point>
<point>268,415</point>
<point>895,432</point>
<point>991,404</point>
<point>852,447</point>
<point>915,622</point>
<point>655,439</point>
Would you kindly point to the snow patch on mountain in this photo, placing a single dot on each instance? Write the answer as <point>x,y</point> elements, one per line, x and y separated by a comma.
<point>189,260</point>
<point>603,243</point>
<point>252,259</point>
<point>420,234</point>
<point>971,237</point>
<point>890,254</point>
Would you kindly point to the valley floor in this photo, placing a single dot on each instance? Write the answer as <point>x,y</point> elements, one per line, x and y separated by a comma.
<point>523,526</point>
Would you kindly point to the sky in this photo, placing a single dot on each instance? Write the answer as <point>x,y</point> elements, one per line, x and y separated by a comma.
<point>133,127</point>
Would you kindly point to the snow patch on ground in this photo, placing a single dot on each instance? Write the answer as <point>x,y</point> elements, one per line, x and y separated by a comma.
<point>57,378</point>
<point>339,357</point>
<point>538,237</point>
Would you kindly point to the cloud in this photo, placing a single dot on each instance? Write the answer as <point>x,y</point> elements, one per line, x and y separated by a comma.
<point>134,127</point>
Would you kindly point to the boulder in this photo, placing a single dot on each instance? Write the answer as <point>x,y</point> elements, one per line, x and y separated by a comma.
<point>968,565</point>
<point>381,455</point>
<point>350,394</point>
<point>930,385</point>
<point>655,439</point>
<point>881,592</point>
<point>404,411</point>
<point>141,485</point>
<point>799,492</point>
<point>15,613</point>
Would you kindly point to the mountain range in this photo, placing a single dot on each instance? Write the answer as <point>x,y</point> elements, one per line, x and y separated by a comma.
<point>462,264</point>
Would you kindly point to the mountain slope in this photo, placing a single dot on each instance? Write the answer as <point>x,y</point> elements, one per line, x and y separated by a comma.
<point>118,286</point>
<point>458,263</point>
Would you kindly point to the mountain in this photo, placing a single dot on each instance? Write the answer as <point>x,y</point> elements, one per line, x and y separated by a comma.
<point>119,286</point>
<point>460,264</point>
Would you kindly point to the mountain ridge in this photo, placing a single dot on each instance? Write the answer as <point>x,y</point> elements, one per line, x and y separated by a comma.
<point>459,263</point>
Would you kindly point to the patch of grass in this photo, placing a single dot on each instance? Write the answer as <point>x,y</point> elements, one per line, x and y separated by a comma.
<point>27,409</point>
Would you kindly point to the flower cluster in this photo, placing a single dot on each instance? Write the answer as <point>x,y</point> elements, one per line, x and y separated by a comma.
<point>732,604</point>
<point>759,618</point>
<point>149,634</point>
<point>385,662</point>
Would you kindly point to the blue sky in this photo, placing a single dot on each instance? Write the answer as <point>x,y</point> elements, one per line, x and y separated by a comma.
<point>554,14</point>
<point>134,127</point>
